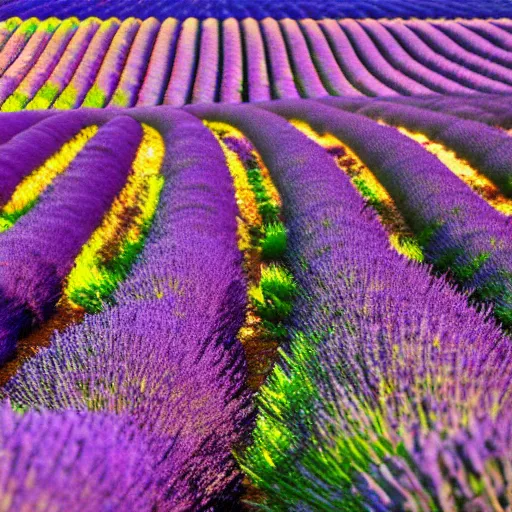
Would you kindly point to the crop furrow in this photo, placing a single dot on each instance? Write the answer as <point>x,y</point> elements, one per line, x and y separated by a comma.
<point>184,66</point>
<point>37,143</point>
<point>400,235</point>
<point>205,82</point>
<point>401,60</point>
<point>379,381</point>
<point>38,252</point>
<point>328,69</point>
<point>103,88</point>
<point>165,358</point>
<point>499,37</point>
<point>306,77</point>
<point>28,57</point>
<point>350,64</point>
<point>107,257</point>
<point>16,43</point>
<point>283,82</point>
<point>257,62</point>
<point>461,168</point>
<point>39,70</point>
<point>232,77</point>
<point>160,64</point>
<point>444,45</point>
<point>7,28</point>
<point>487,149</point>
<point>136,64</point>
<point>459,231</point>
<point>262,238</point>
<point>475,43</point>
<point>415,46</point>
<point>377,65</point>
<point>84,76</point>
<point>26,194</point>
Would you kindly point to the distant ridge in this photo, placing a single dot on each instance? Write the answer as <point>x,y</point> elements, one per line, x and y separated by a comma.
<point>260,9</point>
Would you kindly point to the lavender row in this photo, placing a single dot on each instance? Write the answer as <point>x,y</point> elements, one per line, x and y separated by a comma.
<point>168,347</point>
<point>112,65</point>
<point>157,74</point>
<point>328,69</point>
<point>459,230</point>
<point>37,71</point>
<point>36,136</point>
<point>205,84</point>
<point>338,426</point>
<point>258,80</point>
<point>28,57</point>
<point>443,44</point>
<point>15,123</point>
<point>306,75</point>
<point>38,252</point>
<point>492,109</point>
<point>175,63</point>
<point>282,78</point>
<point>401,60</point>
<point>134,70</point>
<point>421,52</point>
<point>84,76</point>
<point>474,43</point>
<point>242,9</point>
<point>7,28</point>
<point>499,37</point>
<point>64,70</point>
<point>377,65</point>
<point>182,76</point>
<point>350,64</point>
<point>486,148</point>
<point>232,76</point>
<point>107,453</point>
<point>15,44</point>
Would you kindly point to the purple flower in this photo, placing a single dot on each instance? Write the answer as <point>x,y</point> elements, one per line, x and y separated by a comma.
<point>350,64</point>
<point>377,64</point>
<point>304,70</point>
<point>329,70</point>
<point>36,136</point>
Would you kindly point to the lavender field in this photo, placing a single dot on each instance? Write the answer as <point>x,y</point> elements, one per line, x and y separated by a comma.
<point>69,63</point>
<point>255,263</point>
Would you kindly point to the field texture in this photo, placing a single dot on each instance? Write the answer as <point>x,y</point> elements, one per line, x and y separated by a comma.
<point>67,64</point>
<point>222,9</point>
<point>269,269</point>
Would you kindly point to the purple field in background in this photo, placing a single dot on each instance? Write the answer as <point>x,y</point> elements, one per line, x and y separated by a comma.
<point>136,62</point>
